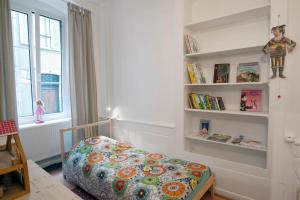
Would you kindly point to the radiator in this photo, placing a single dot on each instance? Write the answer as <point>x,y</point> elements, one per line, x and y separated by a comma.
<point>41,142</point>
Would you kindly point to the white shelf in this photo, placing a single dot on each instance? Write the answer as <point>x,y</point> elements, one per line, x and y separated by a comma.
<point>240,16</point>
<point>228,143</point>
<point>228,84</point>
<point>242,50</point>
<point>241,113</point>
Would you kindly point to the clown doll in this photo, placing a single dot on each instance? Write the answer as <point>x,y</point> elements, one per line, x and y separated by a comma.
<point>277,47</point>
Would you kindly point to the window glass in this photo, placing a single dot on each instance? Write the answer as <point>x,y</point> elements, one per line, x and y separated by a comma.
<point>22,63</point>
<point>51,64</point>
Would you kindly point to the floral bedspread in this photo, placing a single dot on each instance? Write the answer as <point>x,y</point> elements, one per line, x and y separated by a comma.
<point>111,170</point>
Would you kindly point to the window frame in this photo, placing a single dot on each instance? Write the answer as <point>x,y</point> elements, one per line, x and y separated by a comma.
<point>36,10</point>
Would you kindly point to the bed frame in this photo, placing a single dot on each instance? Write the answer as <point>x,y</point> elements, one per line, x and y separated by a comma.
<point>208,186</point>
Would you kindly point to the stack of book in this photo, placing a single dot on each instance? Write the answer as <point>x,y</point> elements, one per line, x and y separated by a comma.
<point>227,139</point>
<point>190,44</point>
<point>205,102</point>
<point>218,137</point>
<point>195,73</point>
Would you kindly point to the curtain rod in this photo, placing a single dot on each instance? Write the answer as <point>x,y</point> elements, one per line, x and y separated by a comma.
<point>73,2</point>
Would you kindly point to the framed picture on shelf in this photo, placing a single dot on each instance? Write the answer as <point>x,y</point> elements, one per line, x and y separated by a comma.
<point>248,72</point>
<point>221,73</point>
<point>251,100</point>
<point>204,127</point>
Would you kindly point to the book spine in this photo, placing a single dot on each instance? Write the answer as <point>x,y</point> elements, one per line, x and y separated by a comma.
<point>221,103</point>
<point>187,44</point>
<point>212,102</point>
<point>217,104</point>
<point>201,96</point>
<point>195,101</point>
<point>190,101</point>
<point>191,73</point>
<point>195,44</point>
<point>191,44</point>
<point>200,102</point>
<point>208,107</point>
<point>196,72</point>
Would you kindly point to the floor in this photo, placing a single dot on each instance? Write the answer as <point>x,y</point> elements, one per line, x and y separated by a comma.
<point>57,174</point>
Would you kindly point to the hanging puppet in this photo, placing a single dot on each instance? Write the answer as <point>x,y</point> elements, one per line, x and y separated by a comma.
<point>277,48</point>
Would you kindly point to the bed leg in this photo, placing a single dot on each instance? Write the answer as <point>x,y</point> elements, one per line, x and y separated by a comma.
<point>212,191</point>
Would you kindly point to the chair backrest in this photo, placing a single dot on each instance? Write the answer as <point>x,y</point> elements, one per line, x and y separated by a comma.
<point>8,127</point>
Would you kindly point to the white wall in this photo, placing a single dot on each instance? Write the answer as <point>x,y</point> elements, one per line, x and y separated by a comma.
<point>144,36</point>
<point>286,111</point>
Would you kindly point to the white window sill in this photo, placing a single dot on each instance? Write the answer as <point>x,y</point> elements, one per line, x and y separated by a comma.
<point>46,123</point>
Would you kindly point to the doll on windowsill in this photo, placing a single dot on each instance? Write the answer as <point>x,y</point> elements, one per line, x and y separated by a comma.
<point>39,111</point>
<point>277,47</point>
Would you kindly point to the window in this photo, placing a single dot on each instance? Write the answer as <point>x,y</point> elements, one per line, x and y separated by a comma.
<point>22,63</point>
<point>39,64</point>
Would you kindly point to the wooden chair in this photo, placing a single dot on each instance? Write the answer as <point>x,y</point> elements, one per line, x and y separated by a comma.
<point>13,160</point>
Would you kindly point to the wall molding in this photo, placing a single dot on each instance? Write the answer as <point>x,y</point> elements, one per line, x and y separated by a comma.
<point>155,124</point>
<point>229,194</point>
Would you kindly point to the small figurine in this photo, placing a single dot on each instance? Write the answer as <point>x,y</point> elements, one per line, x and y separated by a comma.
<point>276,47</point>
<point>39,111</point>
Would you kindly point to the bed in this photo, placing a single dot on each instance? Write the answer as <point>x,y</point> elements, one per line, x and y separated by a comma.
<point>108,169</point>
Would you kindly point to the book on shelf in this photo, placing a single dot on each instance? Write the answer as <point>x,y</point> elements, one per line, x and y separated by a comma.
<point>238,141</point>
<point>253,143</point>
<point>190,44</point>
<point>219,137</point>
<point>220,103</point>
<point>251,100</point>
<point>221,73</point>
<point>195,73</point>
<point>205,102</point>
<point>248,72</point>
<point>195,101</point>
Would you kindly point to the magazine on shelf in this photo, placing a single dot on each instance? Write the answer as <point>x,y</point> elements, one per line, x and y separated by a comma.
<point>219,137</point>
<point>251,100</point>
<point>248,72</point>
<point>253,143</point>
<point>195,73</point>
<point>221,73</point>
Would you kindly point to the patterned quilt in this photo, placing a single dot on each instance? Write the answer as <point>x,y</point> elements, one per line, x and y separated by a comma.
<point>111,170</point>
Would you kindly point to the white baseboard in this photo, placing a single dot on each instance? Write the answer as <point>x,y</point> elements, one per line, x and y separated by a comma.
<point>49,161</point>
<point>231,195</point>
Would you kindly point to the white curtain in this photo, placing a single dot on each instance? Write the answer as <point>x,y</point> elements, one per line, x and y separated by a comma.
<point>82,69</point>
<point>8,106</point>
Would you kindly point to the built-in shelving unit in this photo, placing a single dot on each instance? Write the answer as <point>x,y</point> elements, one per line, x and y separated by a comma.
<point>234,17</point>
<point>228,143</point>
<point>228,84</point>
<point>234,36</point>
<point>230,112</point>
<point>227,52</point>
